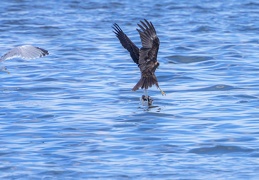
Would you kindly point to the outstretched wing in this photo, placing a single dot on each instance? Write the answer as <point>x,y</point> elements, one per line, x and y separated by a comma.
<point>25,52</point>
<point>127,43</point>
<point>150,43</point>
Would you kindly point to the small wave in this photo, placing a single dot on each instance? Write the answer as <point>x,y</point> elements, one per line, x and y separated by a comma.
<point>252,4</point>
<point>220,149</point>
<point>246,96</point>
<point>47,79</point>
<point>188,59</point>
<point>204,29</point>
<point>219,87</point>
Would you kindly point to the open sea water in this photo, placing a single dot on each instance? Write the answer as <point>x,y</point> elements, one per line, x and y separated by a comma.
<point>72,114</point>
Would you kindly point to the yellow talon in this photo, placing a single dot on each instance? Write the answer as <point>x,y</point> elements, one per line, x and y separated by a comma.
<point>162,92</point>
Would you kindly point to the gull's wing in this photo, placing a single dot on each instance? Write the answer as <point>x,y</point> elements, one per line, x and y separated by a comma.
<point>150,42</point>
<point>127,43</point>
<point>25,52</point>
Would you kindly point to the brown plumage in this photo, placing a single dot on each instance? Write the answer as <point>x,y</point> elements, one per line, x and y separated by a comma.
<point>146,56</point>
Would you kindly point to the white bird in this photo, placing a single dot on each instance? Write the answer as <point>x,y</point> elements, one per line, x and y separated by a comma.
<point>25,52</point>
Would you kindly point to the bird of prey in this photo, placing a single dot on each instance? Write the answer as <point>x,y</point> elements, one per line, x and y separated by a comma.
<point>25,52</point>
<point>145,57</point>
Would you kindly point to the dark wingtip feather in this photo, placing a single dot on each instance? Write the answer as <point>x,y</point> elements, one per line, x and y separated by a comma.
<point>116,29</point>
<point>141,27</point>
<point>147,21</point>
<point>45,52</point>
<point>145,24</point>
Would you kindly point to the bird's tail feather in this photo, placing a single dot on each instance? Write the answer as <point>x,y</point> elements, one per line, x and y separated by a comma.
<point>145,82</point>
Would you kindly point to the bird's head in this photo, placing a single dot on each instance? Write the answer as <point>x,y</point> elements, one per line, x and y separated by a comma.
<point>156,64</point>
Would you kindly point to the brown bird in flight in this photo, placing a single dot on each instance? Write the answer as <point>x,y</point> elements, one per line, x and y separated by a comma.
<point>146,56</point>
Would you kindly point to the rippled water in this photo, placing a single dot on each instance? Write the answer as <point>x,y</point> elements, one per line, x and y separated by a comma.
<point>72,114</point>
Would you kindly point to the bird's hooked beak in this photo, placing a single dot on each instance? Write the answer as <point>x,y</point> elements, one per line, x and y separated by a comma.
<point>157,64</point>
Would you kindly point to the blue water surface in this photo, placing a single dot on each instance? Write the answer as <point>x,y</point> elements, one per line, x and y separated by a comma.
<point>72,114</point>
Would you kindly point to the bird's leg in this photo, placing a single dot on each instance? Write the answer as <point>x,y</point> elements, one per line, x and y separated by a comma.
<point>146,93</point>
<point>162,92</point>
